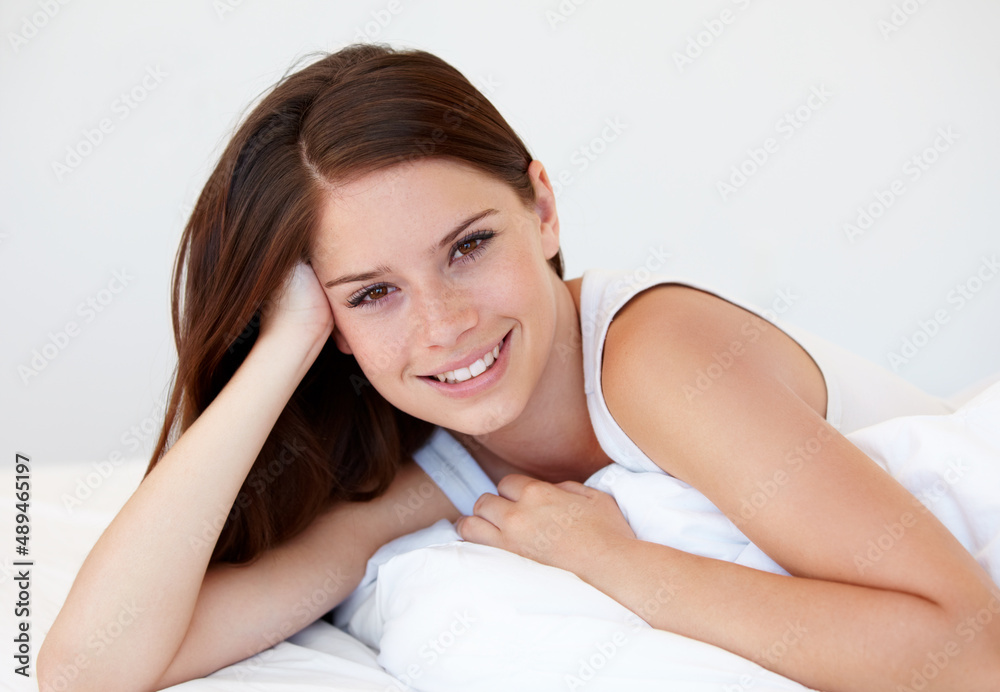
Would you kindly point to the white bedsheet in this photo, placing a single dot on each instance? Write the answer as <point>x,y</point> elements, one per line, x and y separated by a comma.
<point>529,627</point>
<point>440,614</point>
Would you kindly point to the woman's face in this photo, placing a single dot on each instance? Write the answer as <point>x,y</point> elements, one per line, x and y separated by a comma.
<point>442,264</point>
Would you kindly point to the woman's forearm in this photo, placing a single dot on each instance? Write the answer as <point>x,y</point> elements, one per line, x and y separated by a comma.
<point>296,582</point>
<point>827,635</point>
<point>133,599</point>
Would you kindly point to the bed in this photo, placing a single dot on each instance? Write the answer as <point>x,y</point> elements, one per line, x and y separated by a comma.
<point>436,613</point>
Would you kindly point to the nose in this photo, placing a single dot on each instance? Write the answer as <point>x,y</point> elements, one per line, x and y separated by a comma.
<point>444,312</point>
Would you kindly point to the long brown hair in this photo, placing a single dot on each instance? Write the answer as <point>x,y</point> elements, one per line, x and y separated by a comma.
<point>355,111</point>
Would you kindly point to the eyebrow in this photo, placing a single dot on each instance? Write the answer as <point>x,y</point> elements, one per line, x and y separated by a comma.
<point>384,269</point>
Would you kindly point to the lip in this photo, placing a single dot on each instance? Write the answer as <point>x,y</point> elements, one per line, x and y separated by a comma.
<point>478,384</point>
<point>467,361</point>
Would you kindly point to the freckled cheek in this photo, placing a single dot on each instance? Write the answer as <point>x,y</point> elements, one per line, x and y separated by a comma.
<point>506,301</point>
<point>515,290</point>
<point>380,354</point>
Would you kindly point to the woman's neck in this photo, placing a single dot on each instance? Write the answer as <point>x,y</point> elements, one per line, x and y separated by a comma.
<point>553,438</point>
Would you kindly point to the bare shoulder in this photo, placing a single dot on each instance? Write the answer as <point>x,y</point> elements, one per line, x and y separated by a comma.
<point>696,338</point>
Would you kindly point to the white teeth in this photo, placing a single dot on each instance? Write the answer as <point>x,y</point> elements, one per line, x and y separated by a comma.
<point>474,370</point>
<point>478,368</point>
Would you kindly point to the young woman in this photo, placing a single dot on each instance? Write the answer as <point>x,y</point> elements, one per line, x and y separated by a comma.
<point>377,254</point>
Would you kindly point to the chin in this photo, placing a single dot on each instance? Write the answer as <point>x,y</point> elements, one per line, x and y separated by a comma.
<point>493,419</point>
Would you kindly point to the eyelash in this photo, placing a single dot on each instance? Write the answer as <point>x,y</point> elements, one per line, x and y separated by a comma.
<point>357,299</point>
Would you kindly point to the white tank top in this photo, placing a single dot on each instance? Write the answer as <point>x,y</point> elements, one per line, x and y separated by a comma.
<point>859,392</point>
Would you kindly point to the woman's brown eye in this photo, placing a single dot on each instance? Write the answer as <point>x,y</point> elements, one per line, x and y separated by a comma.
<point>376,293</point>
<point>469,248</point>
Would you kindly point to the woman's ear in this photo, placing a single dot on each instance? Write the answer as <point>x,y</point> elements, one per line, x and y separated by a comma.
<point>545,208</point>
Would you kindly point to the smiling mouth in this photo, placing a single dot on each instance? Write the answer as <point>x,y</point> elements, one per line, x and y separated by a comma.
<point>472,371</point>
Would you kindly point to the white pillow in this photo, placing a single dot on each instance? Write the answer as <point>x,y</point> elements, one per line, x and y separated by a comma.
<point>461,616</point>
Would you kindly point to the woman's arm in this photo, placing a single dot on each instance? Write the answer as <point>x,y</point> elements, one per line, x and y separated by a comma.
<point>242,610</point>
<point>923,615</point>
<point>142,612</point>
<point>143,576</point>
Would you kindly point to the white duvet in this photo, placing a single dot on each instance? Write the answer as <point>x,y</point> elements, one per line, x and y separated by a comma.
<point>444,615</point>
<point>436,613</point>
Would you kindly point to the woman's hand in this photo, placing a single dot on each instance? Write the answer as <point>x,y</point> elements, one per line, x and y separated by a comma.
<point>563,525</point>
<point>300,305</point>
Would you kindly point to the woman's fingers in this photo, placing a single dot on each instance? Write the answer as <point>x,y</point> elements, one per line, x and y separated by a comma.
<point>299,304</point>
<point>478,530</point>
<point>552,523</point>
<point>578,488</point>
<point>512,485</point>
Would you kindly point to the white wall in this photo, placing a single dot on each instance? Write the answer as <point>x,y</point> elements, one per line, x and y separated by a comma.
<point>559,72</point>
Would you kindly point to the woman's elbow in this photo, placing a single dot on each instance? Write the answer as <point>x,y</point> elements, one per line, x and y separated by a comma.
<point>46,667</point>
<point>59,671</point>
<point>56,672</point>
<point>982,634</point>
<point>968,656</point>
